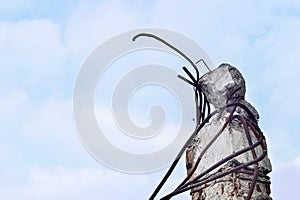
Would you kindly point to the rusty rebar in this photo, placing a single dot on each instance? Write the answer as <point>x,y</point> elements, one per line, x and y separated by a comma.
<point>213,177</point>
<point>170,46</point>
<point>197,182</point>
<point>203,115</point>
<point>170,170</point>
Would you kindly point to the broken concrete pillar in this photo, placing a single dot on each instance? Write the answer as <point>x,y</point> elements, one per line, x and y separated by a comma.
<point>225,134</point>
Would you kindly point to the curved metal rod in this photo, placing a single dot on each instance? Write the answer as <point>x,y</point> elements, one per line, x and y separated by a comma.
<point>184,186</point>
<point>201,60</point>
<point>208,107</point>
<point>197,95</point>
<point>225,160</point>
<point>254,126</point>
<point>199,107</point>
<point>251,147</point>
<point>251,115</point>
<point>179,156</point>
<point>212,178</point>
<point>169,45</point>
<point>254,155</point>
<point>205,149</point>
<point>261,174</point>
<point>204,107</point>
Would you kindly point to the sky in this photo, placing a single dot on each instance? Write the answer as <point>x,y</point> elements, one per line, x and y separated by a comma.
<point>43,45</point>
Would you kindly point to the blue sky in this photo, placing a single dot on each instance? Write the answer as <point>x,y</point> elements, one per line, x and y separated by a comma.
<point>44,43</point>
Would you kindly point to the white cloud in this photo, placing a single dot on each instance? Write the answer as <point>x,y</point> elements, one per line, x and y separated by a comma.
<point>74,183</point>
<point>223,28</point>
<point>118,138</point>
<point>15,107</point>
<point>276,86</point>
<point>48,135</point>
<point>53,119</point>
<point>91,23</point>
<point>15,103</point>
<point>32,54</point>
<point>84,183</point>
<point>40,134</point>
<point>281,74</point>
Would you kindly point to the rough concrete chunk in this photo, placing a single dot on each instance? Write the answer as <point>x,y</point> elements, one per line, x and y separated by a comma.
<point>222,86</point>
